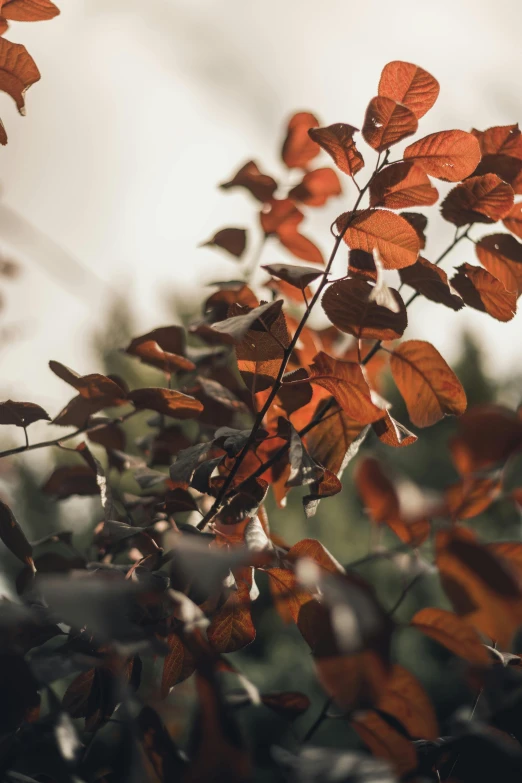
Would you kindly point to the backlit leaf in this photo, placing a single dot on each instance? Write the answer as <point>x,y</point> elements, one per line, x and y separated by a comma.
<point>480,290</point>
<point>166,401</point>
<point>345,381</point>
<point>330,442</point>
<point>410,85</point>
<point>432,282</point>
<point>501,255</point>
<point>387,122</point>
<point>483,199</point>
<point>231,627</point>
<point>513,220</point>
<point>298,148</point>
<point>348,305</point>
<point>471,496</point>
<point>234,328</point>
<point>29,10</point>
<point>392,235</point>
<point>448,155</point>
<point>402,185</point>
<point>298,276</point>
<point>428,386</point>
<point>385,742</point>
<point>486,435</point>
<point>453,633</point>
<point>260,185</point>
<point>500,140</point>
<point>338,142</point>
<point>316,187</point>
<point>405,699</point>
<point>18,72</point>
<point>393,433</point>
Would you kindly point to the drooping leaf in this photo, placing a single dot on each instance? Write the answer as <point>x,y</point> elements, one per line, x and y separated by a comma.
<point>260,185</point>
<point>316,187</point>
<point>501,255</point>
<point>428,386</point>
<point>231,627</point>
<point>13,536</point>
<point>298,148</point>
<point>282,217</point>
<point>448,155</point>
<point>338,142</point>
<point>410,85</point>
<point>18,72</point>
<point>345,381</point>
<point>233,240</point>
<point>166,401</point>
<point>298,276</point>
<point>392,235</point>
<point>21,414</point>
<point>484,199</point>
<point>386,122</point>
<point>349,306</point>
<point>432,282</point>
<point>402,185</point>
<point>480,290</point>
<point>453,633</point>
<point>480,585</point>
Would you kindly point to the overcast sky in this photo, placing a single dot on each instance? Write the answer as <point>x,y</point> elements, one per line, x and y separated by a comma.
<point>144,107</point>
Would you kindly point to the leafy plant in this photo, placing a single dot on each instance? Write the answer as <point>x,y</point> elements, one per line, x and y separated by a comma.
<point>255,401</point>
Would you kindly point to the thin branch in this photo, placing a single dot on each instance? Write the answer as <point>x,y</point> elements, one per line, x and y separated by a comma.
<point>405,593</point>
<point>320,718</point>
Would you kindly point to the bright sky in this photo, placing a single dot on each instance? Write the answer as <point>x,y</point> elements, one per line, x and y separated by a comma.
<point>144,107</point>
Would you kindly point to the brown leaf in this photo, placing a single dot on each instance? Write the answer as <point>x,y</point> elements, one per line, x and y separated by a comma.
<point>405,699</point>
<point>453,633</point>
<point>362,264</point>
<point>178,664</point>
<point>448,155</point>
<point>394,238</point>
<point>338,142</point>
<point>513,220</point>
<point>233,329</point>
<point>348,305</point>
<point>480,585</point>
<point>298,276</point>
<point>259,353</point>
<point>231,627</point>
<point>393,433</point>
<point>300,246</point>
<point>289,704</point>
<point>508,169</point>
<point>402,185</point>
<point>386,122</point>
<point>233,240</point>
<point>150,352</point>
<point>428,386</point>
<point>345,381</point>
<point>298,148</point>
<point>13,536</point>
<point>313,550</point>
<point>288,595</point>
<point>483,199</point>
<point>69,480</point>
<point>500,140</point>
<point>278,214</point>
<point>329,441</point>
<point>418,222</point>
<point>471,496</point>
<point>486,435</point>
<point>29,10</point>
<point>261,186</point>
<point>376,490</point>
<point>410,85</point>
<point>166,401</point>
<point>21,414</point>
<point>480,290</point>
<point>18,72</point>
<point>501,255</point>
<point>110,436</point>
<point>432,282</point>
<point>94,387</point>
<point>317,187</point>
<point>385,742</point>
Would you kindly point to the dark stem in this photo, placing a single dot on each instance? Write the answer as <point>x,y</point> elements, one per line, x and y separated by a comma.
<point>320,718</point>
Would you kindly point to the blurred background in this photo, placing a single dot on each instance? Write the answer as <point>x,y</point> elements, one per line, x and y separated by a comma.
<point>108,186</point>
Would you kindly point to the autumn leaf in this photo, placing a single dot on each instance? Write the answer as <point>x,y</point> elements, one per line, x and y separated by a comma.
<point>163,348</point>
<point>393,433</point>
<point>337,141</point>
<point>387,122</point>
<point>288,595</point>
<point>410,85</point>
<point>513,220</point>
<point>471,496</point>
<point>260,185</point>
<point>480,290</point>
<point>500,140</point>
<point>178,664</point>
<point>260,353</point>
<point>402,185</point>
<point>501,255</point>
<point>508,169</point>
<point>300,246</point>
<point>348,305</point>
<point>483,199</point>
<point>313,550</point>
<point>316,187</point>
<point>231,627</point>
<point>486,435</point>
<point>298,148</point>
<point>233,240</point>
<point>345,381</point>
<point>166,401</point>
<point>448,155</point>
<point>385,742</point>
<point>419,224</point>
<point>298,276</point>
<point>13,536</point>
<point>432,282</point>
<point>392,235</point>
<point>233,329</point>
<point>452,632</point>
<point>21,414</point>
<point>405,699</point>
<point>29,10</point>
<point>428,386</point>
<point>330,442</point>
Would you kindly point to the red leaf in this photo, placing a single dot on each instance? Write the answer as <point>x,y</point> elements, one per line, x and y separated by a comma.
<point>21,414</point>
<point>166,401</point>
<point>486,434</point>
<point>480,290</point>
<point>298,148</point>
<point>392,235</point>
<point>387,122</point>
<point>483,199</point>
<point>500,140</point>
<point>410,85</point>
<point>345,381</point>
<point>402,185</point>
<point>231,627</point>
<point>448,155</point>
<point>316,187</point>
<point>501,255</point>
<point>338,142</point>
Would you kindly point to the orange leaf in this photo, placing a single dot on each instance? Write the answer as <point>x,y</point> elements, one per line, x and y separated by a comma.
<point>316,187</point>
<point>508,169</point>
<point>260,353</point>
<point>410,85</point>
<point>471,496</point>
<point>418,222</point>
<point>387,122</point>
<point>300,246</point>
<point>338,142</point>
<point>376,490</point>
<point>453,633</point>
<point>402,185</point>
<point>483,199</point>
<point>18,72</point>
<point>352,680</point>
<point>231,627</point>
<point>393,433</point>
<point>29,10</point>
<point>405,699</point>
<point>167,402</point>
<point>432,282</point>
<point>392,235</point>
<point>513,220</point>
<point>329,442</point>
<point>345,381</point>
<point>448,155</point>
<point>261,186</point>
<point>298,148</point>
<point>314,550</point>
<point>385,742</point>
<point>348,305</point>
<point>428,386</point>
<point>178,664</point>
<point>288,595</point>
<point>480,585</point>
<point>500,140</point>
<point>501,255</point>
<point>486,435</point>
<point>480,290</point>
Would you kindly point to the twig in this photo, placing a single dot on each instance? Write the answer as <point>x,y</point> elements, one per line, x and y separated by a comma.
<point>320,718</point>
